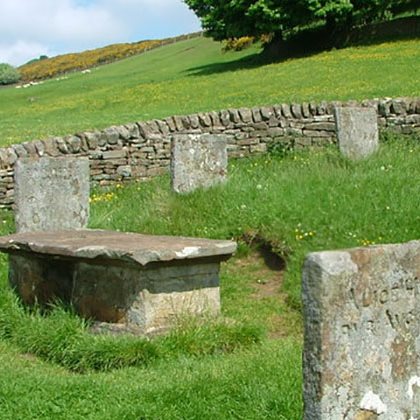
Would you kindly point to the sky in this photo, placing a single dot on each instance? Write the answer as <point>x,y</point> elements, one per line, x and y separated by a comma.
<point>30,28</point>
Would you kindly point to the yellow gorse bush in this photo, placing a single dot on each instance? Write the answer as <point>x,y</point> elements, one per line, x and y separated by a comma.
<point>51,67</point>
<point>238,44</point>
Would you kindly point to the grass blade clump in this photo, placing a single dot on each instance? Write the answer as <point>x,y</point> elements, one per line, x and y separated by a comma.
<point>51,336</point>
<point>62,337</point>
<point>104,353</point>
<point>197,338</point>
<point>11,313</point>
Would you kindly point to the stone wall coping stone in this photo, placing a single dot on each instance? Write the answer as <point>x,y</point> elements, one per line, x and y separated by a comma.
<point>118,246</point>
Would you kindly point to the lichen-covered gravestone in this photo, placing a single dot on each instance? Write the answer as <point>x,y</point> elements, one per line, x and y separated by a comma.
<point>357,131</point>
<point>198,161</point>
<point>362,333</point>
<point>51,194</point>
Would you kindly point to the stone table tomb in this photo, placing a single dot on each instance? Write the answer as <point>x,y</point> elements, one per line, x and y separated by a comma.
<point>142,281</point>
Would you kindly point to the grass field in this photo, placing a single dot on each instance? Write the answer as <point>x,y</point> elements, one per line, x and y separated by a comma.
<point>306,201</point>
<point>193,76</point>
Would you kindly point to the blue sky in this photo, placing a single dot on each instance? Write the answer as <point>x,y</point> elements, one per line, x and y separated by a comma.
<point>30,28</point>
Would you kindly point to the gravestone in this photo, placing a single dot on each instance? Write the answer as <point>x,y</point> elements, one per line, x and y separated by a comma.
<point>198,161</point>
<point>357,131</point>
<point>51,194</point>
<point>362,333</point>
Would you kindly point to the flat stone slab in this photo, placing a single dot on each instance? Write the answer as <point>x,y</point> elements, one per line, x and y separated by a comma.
<point>362,333</point>
<point>141,282</point>
<point>51,193</point>
<point>111,245</point>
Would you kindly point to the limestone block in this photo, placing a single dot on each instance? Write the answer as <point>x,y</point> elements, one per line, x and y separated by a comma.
<point>20,151</point>
<point>204,119</point>
<point>306,112</point>
<point>286,111</point>
<point>246,115</point>
<point>62,146</point>
<point>38,281</point>
<point>178,120</point>
<point>40,147</point>
<point>296,111</point>
<point>112,135</point>
<point>234,115</point>
<point>362,333</point>
<point>51,193</point>
<point>357,131</point>
<point>151,298</point>
<point>225,118</point>
<point>198,161</point>
<point>256,114</point>
<point>124,132</point>
<point>194,121</point>
<point>114,154</point>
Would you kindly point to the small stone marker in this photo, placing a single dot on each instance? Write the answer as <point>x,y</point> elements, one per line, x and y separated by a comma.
<point>357,131</point>
<point>362,333</point>
<point>51,194</point>
<point>198,161</point>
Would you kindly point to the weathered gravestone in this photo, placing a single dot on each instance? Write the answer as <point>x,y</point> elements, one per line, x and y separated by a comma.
<point>198,161</point>
<point>362,333</point>
<point>357,131</point>
<point>51,194</point>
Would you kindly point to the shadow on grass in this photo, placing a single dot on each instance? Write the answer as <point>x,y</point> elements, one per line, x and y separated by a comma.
<point>315,41</point>
<point>244,63</point>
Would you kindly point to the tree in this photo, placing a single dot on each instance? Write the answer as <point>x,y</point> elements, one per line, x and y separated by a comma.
<point>8,74</point>
<point>235,18</point>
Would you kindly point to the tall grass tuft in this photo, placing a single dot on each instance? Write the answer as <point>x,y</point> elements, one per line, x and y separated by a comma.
<point>199,337</point>
<point>62,337</point>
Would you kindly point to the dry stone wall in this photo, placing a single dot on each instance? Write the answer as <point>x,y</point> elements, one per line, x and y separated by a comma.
<point>139,151</point>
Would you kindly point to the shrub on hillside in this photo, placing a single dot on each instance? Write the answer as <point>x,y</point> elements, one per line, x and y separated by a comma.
<point>8,74</point>
<point>238,44</point>
<point>54,66</point>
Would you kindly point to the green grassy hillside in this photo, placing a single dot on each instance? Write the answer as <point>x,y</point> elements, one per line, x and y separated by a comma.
<point>193,76</point>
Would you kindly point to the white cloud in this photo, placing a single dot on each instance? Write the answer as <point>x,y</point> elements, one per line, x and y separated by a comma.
<point>29,28</point>
<point>21,51</point>
<point>158,18</point>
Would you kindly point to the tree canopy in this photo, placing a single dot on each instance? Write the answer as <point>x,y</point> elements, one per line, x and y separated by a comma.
<point>223,19</point>
<point>8,74</point>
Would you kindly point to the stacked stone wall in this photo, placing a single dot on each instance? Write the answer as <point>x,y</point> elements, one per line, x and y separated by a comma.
<point>142,150</point>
